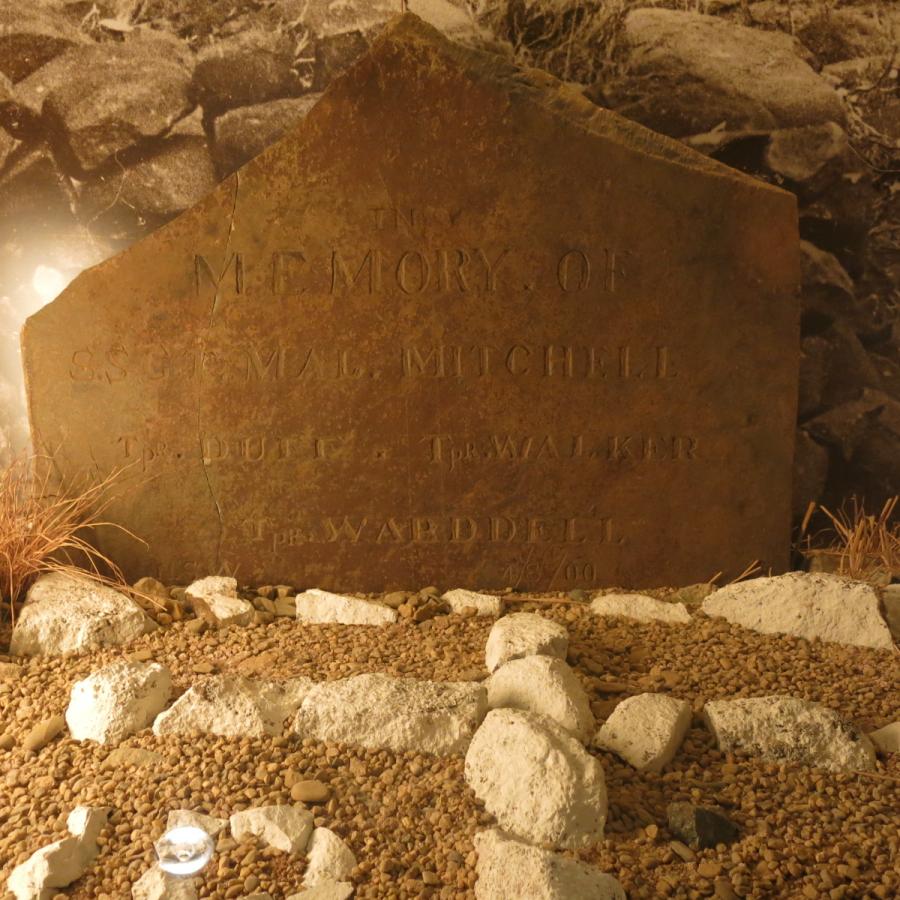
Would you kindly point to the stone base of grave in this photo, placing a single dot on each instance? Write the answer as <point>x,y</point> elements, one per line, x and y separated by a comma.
<point>453,785</point>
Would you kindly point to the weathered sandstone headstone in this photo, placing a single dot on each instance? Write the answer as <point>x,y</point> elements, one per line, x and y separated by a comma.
<point>459,326</point>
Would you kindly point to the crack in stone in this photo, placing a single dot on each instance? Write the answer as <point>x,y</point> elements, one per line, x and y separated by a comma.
<point>212,313</point>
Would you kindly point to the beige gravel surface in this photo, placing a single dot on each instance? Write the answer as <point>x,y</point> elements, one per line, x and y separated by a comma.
<point>410,818</point>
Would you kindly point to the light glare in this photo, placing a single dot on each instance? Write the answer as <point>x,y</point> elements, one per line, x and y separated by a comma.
<point>48,282</point>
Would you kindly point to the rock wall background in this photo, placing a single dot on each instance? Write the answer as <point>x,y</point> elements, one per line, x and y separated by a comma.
<point>117,115</point>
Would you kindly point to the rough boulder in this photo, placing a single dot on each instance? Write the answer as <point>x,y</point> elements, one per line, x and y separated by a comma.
<point>544,685</point>
<point>646,730</point>
<point>394,713</point>
<point>234,707</point>
<point>779,727</point>
<point>827,607</point>
<point>537,780</point>
<point>509,868</point>
<point>117,701</point>
<point>64,615</point>
<point>524,634</point>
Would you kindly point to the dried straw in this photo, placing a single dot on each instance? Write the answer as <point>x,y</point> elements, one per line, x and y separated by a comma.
<point>46,528</point>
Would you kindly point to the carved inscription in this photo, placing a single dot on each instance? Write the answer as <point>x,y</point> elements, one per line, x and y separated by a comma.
<point>262,363</point>
<point>448,451</point>
<point>454,529</point>
<point>418,271</point>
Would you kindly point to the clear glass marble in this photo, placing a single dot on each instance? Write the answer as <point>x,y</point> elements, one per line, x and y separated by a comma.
<point>184,850</point>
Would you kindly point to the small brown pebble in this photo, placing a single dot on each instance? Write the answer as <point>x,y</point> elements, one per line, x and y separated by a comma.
<point>310,791</point>
<point>683,851</point>
<point>203,668</point>
<point>708,869</point>
<point>724,890</point>
<point>430,877</point>
<point>395,599</point>
<point>7,742</point>
<point>142,655</point>
<point>43,733</point>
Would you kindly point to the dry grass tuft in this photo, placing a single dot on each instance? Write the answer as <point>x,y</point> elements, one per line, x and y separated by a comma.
<point>44,528</point>
<point>863,546</point>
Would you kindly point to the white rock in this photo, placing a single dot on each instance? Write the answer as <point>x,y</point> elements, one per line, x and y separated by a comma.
<point>211,586</point>
<point>646,730</point>
<point>378,711</point>
<point>537,780</point>
<point>224,610</point>
<point>890,599</point>
<point>62,862</point>
<point>524,634</point>
<point>117,701</point>
<point>887,739</point>
<point>484,604</point>
<point>640,607</point>
<point>544,685</point>
<point>508,868</point>
<point>328,890</point>
<point>786,728</point>
<point>155,884</point>
<point>807,605</point>
<point>233,706</point>
<point>286,828</point>
<point>86,823</point>
<point>54,866</point>
<point>215,599</point>
<point>64,615</point>
<point>178,818</point>
<point>322,607</point>
<point>328,858</point>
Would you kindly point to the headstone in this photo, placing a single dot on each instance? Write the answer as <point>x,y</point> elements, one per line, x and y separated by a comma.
<point>459,326</point>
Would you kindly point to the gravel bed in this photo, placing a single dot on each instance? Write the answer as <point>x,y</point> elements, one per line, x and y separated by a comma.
<point>410,818</point>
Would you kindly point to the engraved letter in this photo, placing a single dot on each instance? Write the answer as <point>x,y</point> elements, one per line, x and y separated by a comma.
<point>339,270</point>
<point>579,260</point>
<point>459,524</point>
<point>285,264</point>
<point>490,281</point>
<point>418,283</point>
<point>202,266</point>
<point>259,369</point>
<point>511,365</point>
<point>412,357</point>
<point>462,259</point>
<point>344,529</point>
<point>81,369</point>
